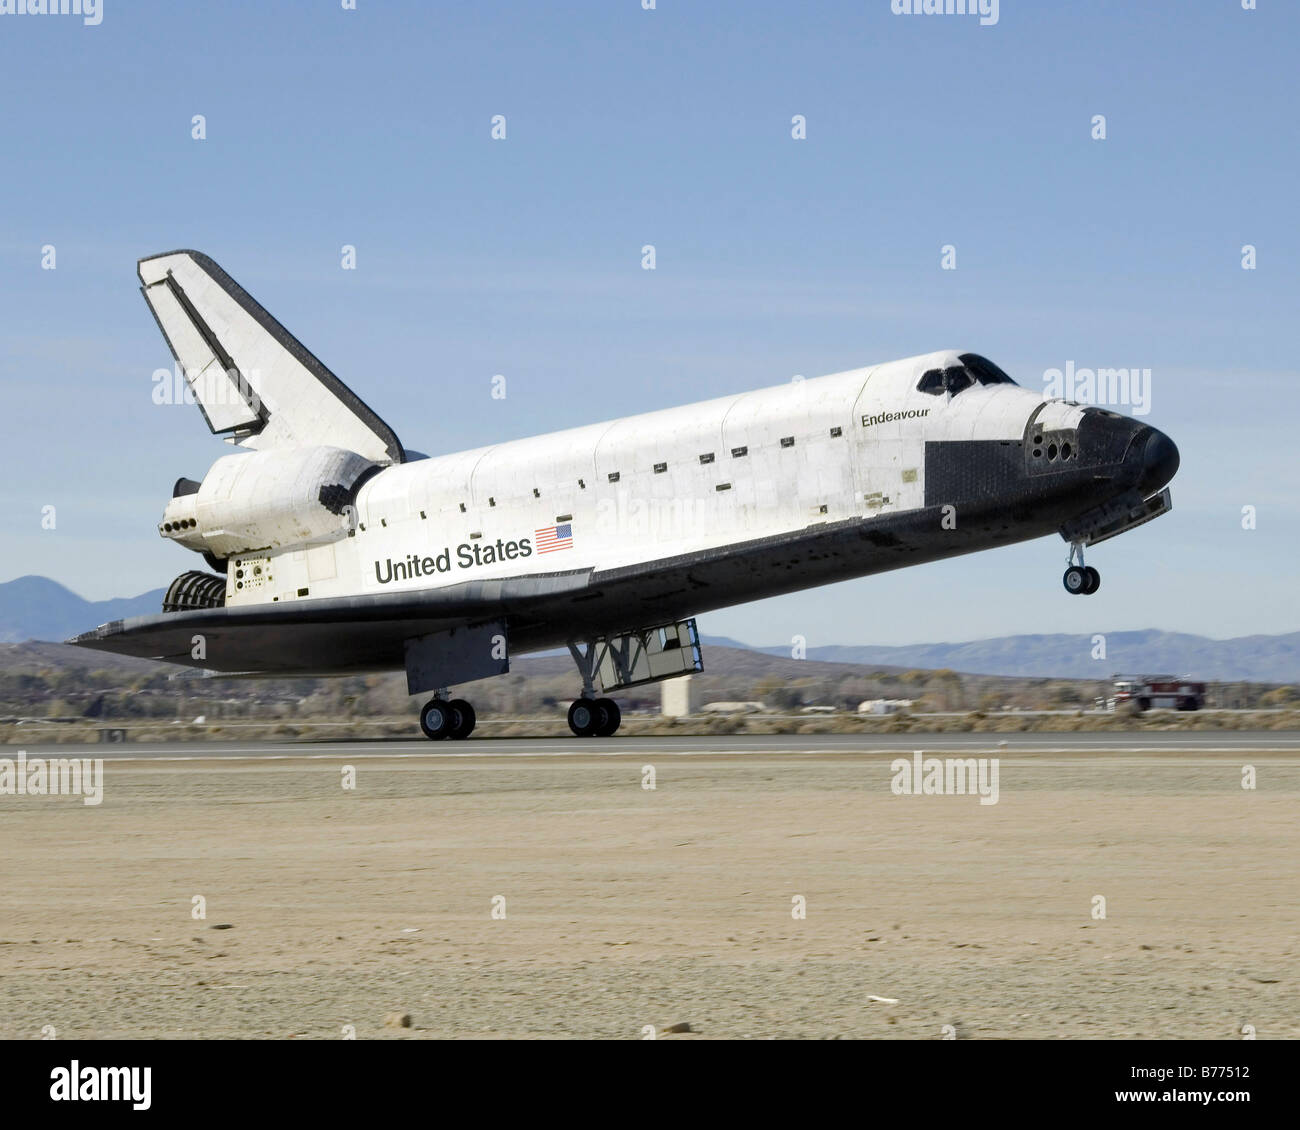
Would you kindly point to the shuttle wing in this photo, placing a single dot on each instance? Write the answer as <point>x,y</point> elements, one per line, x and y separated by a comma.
<point>369,632</point>
<point>329,636</point>
<point>254,381</point>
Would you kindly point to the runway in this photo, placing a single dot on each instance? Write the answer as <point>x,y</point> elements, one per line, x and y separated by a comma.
<point>1121,886</point>
<point>866,745</point>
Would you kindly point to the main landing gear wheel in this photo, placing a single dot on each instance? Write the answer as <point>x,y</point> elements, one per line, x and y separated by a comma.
<point>440,719</point>
<point>466,719</point>
<point>1081,580</point>
<point>594,717</point>
<point>584,717</point>
<point>436,719</point>
<point>611,716</point>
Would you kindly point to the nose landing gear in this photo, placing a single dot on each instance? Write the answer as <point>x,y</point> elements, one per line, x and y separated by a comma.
<point>1080,579</point>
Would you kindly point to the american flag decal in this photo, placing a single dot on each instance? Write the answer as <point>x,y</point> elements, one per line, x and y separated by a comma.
<point>553,538</point>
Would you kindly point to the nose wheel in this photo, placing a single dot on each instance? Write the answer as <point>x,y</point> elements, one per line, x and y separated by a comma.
<point>440,719</point>
<point>1080,579</point>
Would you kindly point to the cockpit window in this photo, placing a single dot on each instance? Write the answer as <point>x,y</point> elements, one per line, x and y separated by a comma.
<point>931,382</point>
<point>956,378</point>
<point>951,380</point>
<point>984,370</point>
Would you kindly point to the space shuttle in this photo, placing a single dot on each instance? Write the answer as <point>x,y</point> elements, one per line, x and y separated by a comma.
<point>330,548</point>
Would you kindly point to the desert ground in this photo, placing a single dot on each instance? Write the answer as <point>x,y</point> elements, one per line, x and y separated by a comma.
<point>555,896</point>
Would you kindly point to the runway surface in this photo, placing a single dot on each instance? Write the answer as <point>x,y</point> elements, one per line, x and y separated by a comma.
<point>1122,886</point>
<point>975,744</point>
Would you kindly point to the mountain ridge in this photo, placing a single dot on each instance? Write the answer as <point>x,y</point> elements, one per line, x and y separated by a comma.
<point>1255,658</point>
<point>38,608</point>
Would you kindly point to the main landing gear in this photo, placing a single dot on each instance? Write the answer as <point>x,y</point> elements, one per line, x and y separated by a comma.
<point>589,716</point>
<point>1080,579</point>
<point>441,719</point>
<point>594,717</point>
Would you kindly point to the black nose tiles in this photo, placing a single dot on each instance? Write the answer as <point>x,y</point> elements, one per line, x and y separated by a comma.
<point>1159,461</point>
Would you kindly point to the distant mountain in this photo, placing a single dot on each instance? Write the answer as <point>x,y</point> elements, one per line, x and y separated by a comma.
<point>1264,659</point>
<point>36,608</point>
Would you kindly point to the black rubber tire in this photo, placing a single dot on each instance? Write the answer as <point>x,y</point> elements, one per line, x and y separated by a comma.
<point>466,719</point>
<point>437,719</point>
<point>584,717</point>
<point>610,717</point>
<point>1075,580</point>
<point>1094,580</point>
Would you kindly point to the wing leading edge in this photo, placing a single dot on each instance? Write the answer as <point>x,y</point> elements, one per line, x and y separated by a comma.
<point>328,636</point>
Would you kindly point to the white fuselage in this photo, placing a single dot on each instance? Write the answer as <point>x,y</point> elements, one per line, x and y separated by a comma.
<point>644,488</point>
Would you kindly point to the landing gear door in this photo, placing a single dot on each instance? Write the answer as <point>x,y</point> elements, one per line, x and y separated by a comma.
<point>649,655</point>
<point>459,655</point>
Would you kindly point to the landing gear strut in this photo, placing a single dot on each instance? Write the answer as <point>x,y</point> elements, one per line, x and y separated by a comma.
<point>441,719</point>
<point>1080,579</point>
<point>589,716</point>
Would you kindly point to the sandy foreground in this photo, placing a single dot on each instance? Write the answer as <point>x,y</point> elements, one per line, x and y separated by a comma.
<point>626,907</point>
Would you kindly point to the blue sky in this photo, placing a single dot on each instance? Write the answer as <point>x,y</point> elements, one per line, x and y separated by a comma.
<point>775,257</point>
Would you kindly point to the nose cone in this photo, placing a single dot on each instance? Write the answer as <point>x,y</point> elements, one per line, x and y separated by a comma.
<point>1159,461</point>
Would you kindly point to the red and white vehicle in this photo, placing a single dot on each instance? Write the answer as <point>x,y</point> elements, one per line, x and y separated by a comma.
<point>1159,692</point>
